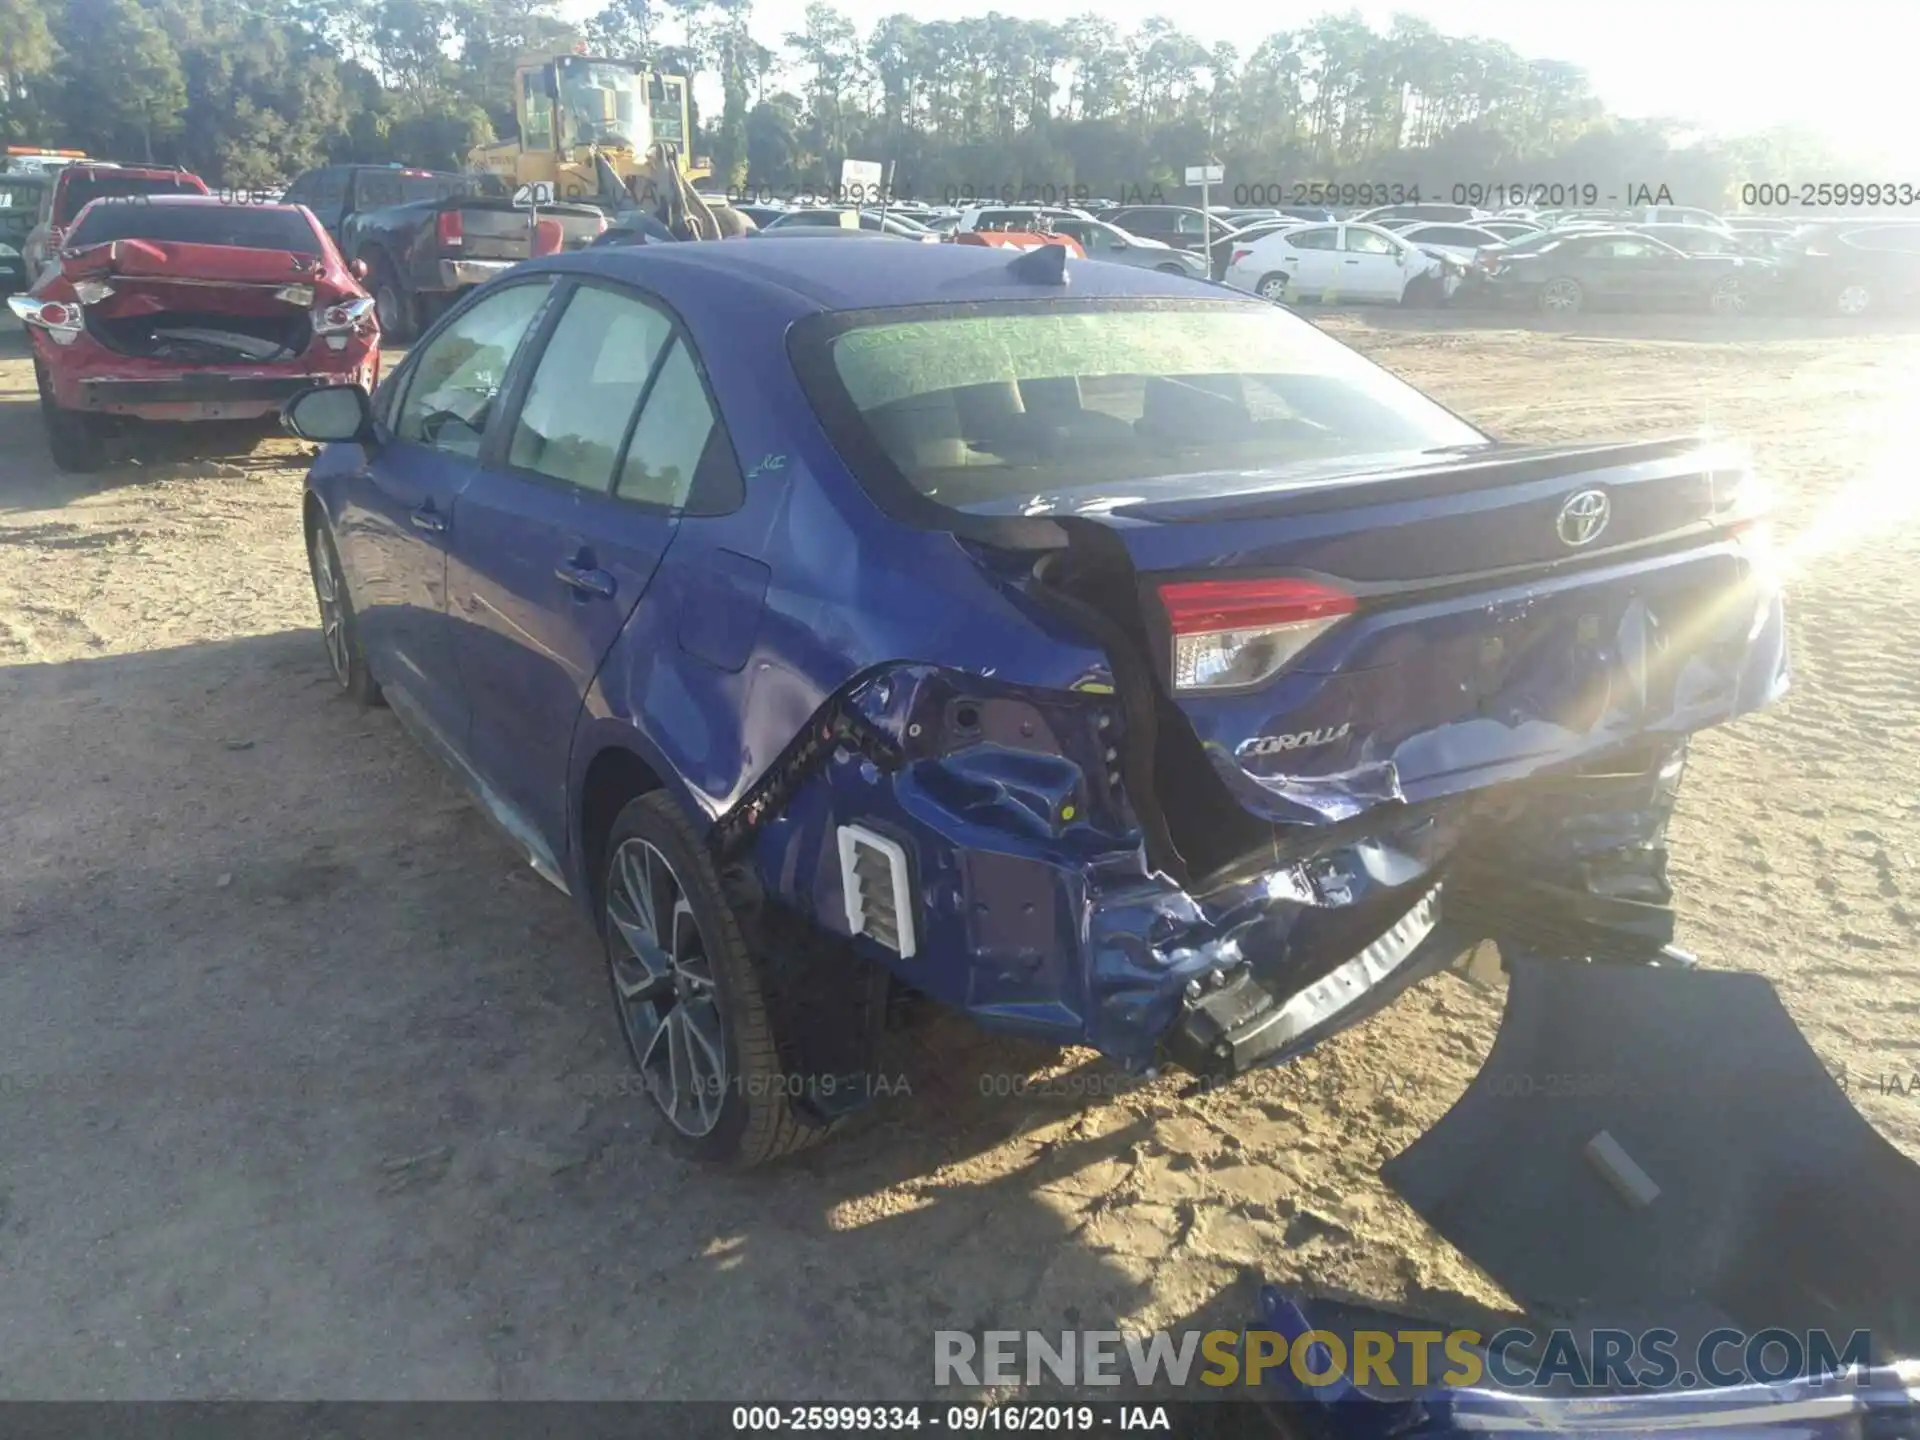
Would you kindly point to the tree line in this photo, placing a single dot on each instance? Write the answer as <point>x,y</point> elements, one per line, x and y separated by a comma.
<point>250,92</point>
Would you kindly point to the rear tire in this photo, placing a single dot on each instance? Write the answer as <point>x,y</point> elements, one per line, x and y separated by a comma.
<point>1853,299</point>
<point>391,302</point>
<point>75,440</point>
<point>697,966</point>
<point>1272,287</point>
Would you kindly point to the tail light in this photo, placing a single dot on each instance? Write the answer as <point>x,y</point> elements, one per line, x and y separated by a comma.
<point>1228,634</point>
<point>448,228</point>
<point>1238,256</point>
<point>61,322</point>
<point>336,324</point>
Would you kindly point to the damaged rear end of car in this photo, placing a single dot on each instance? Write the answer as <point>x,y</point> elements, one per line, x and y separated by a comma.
<point>1318,687</point>
<point>195,310</point>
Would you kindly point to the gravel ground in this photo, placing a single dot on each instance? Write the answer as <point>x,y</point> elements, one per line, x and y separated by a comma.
<point>305,1076</point>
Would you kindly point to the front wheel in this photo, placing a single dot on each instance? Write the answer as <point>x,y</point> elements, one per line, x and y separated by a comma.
<point>1563,296</point>
<point>1853,299</point>
<point>689,997</point>
<point>1728,297</point>
<point>339,625</point>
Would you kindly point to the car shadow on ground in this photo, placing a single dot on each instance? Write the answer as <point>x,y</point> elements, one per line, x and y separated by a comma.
<point>311,1087</point>
<point>29,481</point>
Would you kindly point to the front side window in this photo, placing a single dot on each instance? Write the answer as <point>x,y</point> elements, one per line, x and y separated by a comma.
<point>457,380</point>
<point>1033,410</point>
<point>590,377</point>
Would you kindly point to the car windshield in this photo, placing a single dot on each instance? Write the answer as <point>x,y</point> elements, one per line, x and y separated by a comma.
<point>82,188</point>
<point>247,226</point>
<point>602,102</point>
<point>1034,409</point>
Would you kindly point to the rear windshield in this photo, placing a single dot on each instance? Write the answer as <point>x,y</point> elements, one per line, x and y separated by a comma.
<point>1036,409</point>
<point>82,188</point>
<point>248,226</point>
<point>374,188</point>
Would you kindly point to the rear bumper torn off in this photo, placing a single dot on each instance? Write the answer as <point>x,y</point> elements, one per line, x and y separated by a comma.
<point>1246,1021</point>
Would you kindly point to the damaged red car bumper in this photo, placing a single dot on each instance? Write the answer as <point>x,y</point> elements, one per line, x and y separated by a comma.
<point>172,331</point>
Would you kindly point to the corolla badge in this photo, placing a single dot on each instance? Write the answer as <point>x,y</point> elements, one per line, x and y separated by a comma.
<point>1298,740</point>
<point>1583,517</point>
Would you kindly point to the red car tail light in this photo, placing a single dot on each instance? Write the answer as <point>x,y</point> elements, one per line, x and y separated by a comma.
<point>1238,256</point>
<point>1228,634</point>
<point>61,322</point>
<point>448,228</point>
<point>337,323</point>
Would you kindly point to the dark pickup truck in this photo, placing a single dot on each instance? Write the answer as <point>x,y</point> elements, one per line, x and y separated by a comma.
<point>428,235</point>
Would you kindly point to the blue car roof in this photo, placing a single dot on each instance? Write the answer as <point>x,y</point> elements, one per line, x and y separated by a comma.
<point>829,275</point>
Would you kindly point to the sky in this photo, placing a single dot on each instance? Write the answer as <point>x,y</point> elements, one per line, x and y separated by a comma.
<point>1843,67</point>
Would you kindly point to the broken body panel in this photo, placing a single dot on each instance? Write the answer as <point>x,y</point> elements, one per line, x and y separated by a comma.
<point>175,330</point>
<point>1092,863</point>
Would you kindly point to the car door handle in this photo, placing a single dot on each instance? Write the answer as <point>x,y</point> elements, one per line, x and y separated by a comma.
<point>429,519</point>
<point>1351,262</point>
<point>590,582</point>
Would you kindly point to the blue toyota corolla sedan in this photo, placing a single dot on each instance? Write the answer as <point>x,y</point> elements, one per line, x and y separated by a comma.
<point>1118,659</point>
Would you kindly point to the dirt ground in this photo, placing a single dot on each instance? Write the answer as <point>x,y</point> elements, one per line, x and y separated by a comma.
<point>304,1076</point>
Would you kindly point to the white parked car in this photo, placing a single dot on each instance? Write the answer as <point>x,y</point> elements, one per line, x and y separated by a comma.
<point>1457,242</point>
<point>1333,263</point>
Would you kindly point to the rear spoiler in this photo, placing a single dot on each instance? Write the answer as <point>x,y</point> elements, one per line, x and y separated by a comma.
<point>1452,473</point>
<point>187,264</point>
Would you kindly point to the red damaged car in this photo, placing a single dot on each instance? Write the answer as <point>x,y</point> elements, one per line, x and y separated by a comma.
<point>190,308</point>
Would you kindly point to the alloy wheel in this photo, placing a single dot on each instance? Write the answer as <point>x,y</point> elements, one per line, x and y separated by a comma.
<point>330,591</point>
<point>1729,298</point>
<point>1273,289</point>
<point>1854,299</point>
<point>663,983</point>
<point>1561,297</point>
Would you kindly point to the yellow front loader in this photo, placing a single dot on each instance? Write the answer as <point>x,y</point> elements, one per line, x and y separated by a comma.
<point>580,116</point>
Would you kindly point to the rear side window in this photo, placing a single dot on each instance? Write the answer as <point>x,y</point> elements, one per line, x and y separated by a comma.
<point>80,189</point>
<point>250,227</point>
<point>675,432</point>
<point>1327,239</point>
<point>582,398</point>
<point>1037,410</point>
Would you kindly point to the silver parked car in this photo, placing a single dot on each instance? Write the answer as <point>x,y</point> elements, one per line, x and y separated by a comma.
<point>1102,241</point>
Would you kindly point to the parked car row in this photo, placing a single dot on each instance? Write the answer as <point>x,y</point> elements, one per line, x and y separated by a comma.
<point>1658,257</point>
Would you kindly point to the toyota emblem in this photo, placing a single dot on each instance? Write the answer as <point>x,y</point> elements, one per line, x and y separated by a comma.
<point>1583,517</point>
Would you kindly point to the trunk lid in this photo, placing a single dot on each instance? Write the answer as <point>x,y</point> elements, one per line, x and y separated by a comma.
<point>197,304</point>
<point>495,230</point>
<point>183,263</point>
<point>1467,621</point>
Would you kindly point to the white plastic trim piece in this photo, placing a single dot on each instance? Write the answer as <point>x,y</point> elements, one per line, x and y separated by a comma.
<point>853,838</point>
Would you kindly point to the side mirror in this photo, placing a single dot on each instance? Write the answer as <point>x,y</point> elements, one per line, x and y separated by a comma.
<point>1402,257</point>
<point>1121,245</point>
<point>328,414</point>
<point>358,269</point>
